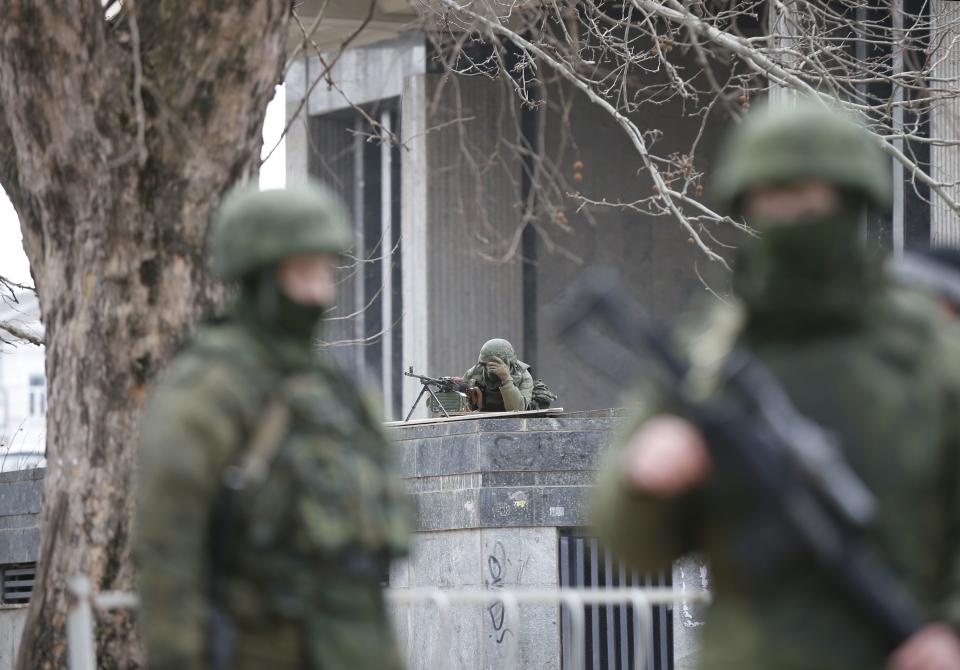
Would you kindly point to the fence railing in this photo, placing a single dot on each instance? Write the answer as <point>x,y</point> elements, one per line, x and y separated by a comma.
<point>81,648</point>
<point>84,604</point>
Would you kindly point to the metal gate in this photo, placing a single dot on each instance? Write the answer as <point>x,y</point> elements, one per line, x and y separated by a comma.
<point>608,634</point>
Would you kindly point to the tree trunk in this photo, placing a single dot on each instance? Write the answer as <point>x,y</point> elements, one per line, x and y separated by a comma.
<point>117,138</point>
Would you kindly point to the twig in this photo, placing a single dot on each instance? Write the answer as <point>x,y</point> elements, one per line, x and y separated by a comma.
<point>20,333</point>
<point>326,70</point>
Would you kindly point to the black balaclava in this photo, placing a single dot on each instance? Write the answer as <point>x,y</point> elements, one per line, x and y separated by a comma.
<point>291,326</point>
<point>811,275</point>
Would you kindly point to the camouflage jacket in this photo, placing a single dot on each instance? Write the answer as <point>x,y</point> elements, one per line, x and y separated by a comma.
<point>295,558</point>
<point>515,396</point>
<point>890,391</point>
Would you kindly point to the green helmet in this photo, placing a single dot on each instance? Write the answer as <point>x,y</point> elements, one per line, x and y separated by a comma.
<point>805,141</point>
<point>499,348</point>
<point>255,229</point>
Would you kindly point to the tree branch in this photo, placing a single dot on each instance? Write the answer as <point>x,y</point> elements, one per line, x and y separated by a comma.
<point>633,133</point>
<point>765,65</point>
<point>20,333</point>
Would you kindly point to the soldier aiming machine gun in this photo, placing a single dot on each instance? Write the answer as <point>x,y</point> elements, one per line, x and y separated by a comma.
<point>434,385</point>
<point>802,487</point>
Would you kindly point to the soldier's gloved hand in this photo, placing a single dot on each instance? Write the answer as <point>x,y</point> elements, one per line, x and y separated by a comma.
<point>497,368</point>
<point>666,457</point>
<point>933,647</point>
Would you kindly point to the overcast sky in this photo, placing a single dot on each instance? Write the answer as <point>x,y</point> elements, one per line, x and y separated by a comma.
<point>13,262</point>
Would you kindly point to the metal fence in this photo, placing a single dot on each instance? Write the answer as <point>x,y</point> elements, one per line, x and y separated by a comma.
<point>608,637</point>
<point>573,601</point>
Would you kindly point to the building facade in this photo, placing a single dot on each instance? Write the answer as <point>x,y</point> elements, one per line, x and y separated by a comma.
<point>23,388</point>
<point>444,258</point>
<point>448,253</point>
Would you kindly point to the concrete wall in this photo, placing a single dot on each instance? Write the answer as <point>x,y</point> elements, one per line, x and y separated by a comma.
<point>493,496</point>
<point>496,473</point>
<point>20,496</point>
<point>486,559</point>
<point>12,620</point>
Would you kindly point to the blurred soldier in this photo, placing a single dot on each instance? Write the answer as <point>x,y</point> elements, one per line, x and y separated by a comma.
<point>933,271</point>
<point>873,365</point>
<point>499,382</point>
<point>268,508</point>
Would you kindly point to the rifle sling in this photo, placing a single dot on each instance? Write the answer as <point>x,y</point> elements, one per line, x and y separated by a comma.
<point>262,447</point>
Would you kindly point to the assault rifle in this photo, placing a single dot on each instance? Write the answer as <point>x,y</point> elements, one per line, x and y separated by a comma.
<point>805,494</point>
<point>441,384</point>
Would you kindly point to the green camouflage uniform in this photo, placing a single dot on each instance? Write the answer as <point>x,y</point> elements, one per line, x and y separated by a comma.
<point>879,368</point>
<point>514,395</point>
<point>290,555</point>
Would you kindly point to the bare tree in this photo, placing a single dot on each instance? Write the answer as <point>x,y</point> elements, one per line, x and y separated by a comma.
<point>881,62</point>
<point>9,291</point>
<point>117,136</point>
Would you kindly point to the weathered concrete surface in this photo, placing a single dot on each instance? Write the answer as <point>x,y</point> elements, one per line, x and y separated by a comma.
<point>497,473</point>
<point>20,496</point>
<point>487,559</point>
<point>689,574</point>
<point>12,619</point>
<point>492,495</point>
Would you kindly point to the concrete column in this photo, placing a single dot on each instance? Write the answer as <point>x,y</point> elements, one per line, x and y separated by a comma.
<point>782,27</point>
<point>896,10</point>
<point>358,322</point>
<point>386,263</point>
<point>945,123</point>
<point>413,228</point>
<point>297,144</point>
<point>689,574</point>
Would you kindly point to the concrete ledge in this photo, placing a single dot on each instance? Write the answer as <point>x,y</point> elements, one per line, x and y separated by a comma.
<point>21,494</point>
<point>502,472</point>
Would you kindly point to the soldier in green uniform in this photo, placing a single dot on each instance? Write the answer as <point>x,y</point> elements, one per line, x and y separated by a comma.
<point>500,382</point>
<point>268,508</point>
<point>877,366</point>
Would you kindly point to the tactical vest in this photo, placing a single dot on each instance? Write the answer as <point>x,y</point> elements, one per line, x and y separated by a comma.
<point>311,512</point>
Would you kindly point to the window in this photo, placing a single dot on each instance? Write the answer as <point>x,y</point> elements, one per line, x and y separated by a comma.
<point>365,327</point>
<point>38,395</point>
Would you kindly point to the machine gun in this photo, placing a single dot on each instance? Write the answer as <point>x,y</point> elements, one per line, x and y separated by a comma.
<point>791,467</point>
<point>441,384</point>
